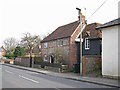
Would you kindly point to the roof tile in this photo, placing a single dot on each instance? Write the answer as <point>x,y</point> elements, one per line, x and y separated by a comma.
<point>62,32</point>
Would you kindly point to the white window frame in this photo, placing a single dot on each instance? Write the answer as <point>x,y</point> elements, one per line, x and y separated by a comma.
<point>87,44</point>
<point>45,45</point>
<point>45,58</point>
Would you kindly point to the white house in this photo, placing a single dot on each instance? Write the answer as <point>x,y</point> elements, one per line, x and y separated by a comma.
<point>110,48</point>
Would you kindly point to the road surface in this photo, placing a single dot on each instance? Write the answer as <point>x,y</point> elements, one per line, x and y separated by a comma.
<point>18,78</point>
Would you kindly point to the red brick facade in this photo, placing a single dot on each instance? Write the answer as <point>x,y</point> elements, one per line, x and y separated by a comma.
<point>91,63</point>
<point>56,51</point>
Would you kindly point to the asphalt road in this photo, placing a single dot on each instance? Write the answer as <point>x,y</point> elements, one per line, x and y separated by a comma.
<point>18,78</point>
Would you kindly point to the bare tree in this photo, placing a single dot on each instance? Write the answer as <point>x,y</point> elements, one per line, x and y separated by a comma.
<point>30,41</point>
<point>10,44</point>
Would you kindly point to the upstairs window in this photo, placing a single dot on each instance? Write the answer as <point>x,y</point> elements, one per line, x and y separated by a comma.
<point>65,42</point>
<point>45,45</point>
<point>60,42</point>
<point>87,44</point>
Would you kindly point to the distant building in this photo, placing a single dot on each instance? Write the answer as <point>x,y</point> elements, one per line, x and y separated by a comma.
<point>110,48</point>
<point>2,51</point>
<point>2,54</point>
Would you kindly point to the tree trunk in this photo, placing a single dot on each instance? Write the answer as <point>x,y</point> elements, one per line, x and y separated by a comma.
<point>31,58</point>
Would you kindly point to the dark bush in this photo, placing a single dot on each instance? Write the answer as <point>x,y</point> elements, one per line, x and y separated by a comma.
<point>37,60</point>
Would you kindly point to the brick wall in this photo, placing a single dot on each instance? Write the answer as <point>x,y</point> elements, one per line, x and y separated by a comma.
<point>23,61</point>
<point>53,49</point>
<point>73,45</point>
<point>73,48</point>
<point>91,63</point>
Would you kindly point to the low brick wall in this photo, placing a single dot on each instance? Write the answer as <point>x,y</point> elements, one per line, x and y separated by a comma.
<point>54,69</point>
<point>37,66</point>
<point>91,63</point>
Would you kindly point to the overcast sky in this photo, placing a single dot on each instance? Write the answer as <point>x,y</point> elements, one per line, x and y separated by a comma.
<point>43,16</point>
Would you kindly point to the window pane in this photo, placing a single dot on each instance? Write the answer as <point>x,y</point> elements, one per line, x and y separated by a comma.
<point>87,43</point>
<point>65,42</point>
<point>60,42</point>
<point>45,45</point>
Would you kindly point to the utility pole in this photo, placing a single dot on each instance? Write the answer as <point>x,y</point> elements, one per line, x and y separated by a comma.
<point>80,27</point>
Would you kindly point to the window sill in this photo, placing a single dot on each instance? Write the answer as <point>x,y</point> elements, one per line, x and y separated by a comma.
<point>87,48</point>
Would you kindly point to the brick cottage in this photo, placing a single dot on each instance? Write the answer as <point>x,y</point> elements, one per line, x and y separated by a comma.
<point>62,46</point>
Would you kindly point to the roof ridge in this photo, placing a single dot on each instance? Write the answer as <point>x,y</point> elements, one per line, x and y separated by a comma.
<point>68,24</point>
<point>61,31</point>
<point>110,23</point>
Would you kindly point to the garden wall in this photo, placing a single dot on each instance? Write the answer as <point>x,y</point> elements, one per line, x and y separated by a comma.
<point>91,63</point>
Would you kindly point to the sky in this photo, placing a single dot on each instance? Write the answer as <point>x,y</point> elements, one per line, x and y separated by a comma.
<point>40,17</point>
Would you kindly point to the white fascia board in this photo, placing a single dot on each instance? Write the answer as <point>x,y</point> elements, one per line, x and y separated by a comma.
<point>81,30</point>
<point>78,40</point>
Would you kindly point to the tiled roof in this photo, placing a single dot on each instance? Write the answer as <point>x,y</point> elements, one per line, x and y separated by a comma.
<point>62,32</point>
<point>91,32</point>
<point>108,24</point>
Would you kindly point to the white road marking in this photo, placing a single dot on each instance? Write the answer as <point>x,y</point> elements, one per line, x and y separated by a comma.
<point>28,79</point>
<point>8,71</point>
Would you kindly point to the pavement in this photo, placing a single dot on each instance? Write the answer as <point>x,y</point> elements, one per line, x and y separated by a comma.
<point>73,76</point>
